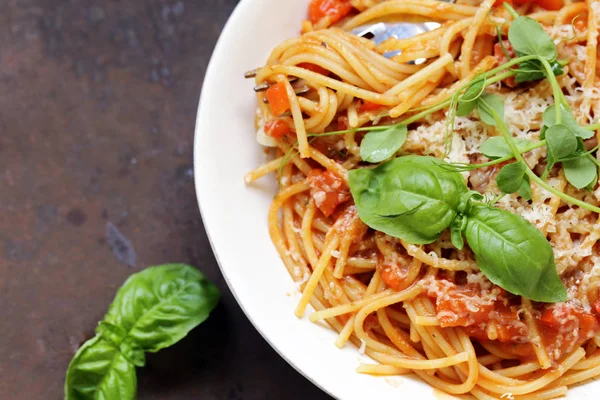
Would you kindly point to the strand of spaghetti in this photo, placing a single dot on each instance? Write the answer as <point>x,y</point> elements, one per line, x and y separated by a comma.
<point>457,341</point>
<point>355,63</point>
<point>263,170</point>
<point>397,336</point>
<point>349,327</point>
<point>416,55</point>
<point>316,275</point>
<point>306,233</point>
<point>580,376</point>
<point>425,8</point>
<point>441,263</point>
<point>485,65</point>
<point>331,83</point>
<point>547,394</point>
<point>348,308</point>
<point>589,362</point>
<point>494,350</point>
<point>421,76</point>
<point>536,340</point>
<point>449,37</point>
<point>292,240</point>
<point>593,9</point>
<point>416,97</point>
<point>502,384</point>
<point>467,46</point>
<point>381,370</point>
<point>341,262</point>
<point>488,359</point>
<point>398,317</point>
<point>423,364</point>
<point>362,314</point>
<point>275,231</point>
<point>353,116</point>
<point>519,370</point>
<point>298,120</point>
<point>566,14</point>
<point>322,115</point>
<point>426,321</point>
<point>344,71</point>
<point>375,71</point>
<point>329,164</point>
<point>394,44</point>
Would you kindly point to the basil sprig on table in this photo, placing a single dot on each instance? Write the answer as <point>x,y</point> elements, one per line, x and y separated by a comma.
<point>154,309</point>
<point>416,198</point>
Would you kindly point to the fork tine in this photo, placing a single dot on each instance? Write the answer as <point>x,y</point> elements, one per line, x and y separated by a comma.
<point>266,85</point>
<point>251,74</point>
<point>299,92</point>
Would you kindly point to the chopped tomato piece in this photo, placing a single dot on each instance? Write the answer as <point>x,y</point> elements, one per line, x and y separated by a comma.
<point>334,9</point>
<point>328,190</point>
<point>343,123</point>
<point>368,106</point>
<point>482,312</point>
<point>277,128</point>
<point>499,3</point>
<point>278,99</point>
<point>547,4</point>
<point>315,68</point>
<point>394,272</point>
<point>499,52</point>
<point>564,326</point>
<point>553,5</point>
<point>597,306</point>
<point>501,58</point>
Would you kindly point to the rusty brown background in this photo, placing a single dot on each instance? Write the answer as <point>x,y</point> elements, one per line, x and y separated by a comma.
<point>97,108</point>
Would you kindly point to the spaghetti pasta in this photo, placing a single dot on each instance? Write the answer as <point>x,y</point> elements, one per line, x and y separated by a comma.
<point>428,309</point>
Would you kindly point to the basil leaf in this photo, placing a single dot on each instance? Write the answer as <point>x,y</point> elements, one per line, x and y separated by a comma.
<point>528,37</point>
<point>496,147</point>
<point>567,119</point>
<point>495,103</point>
<point>513,254</point>
<point>99,372</point>
<point>159,306</point>
<point>380,145</point>
<point>510,177</point>
<point>580,172</point>
<point>561,142</point>
<point>525,189</point>
<point>412,198</point>
<point>456,231</point>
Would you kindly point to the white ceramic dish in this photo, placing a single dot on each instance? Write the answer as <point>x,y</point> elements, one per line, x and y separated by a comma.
<point>235,215</point>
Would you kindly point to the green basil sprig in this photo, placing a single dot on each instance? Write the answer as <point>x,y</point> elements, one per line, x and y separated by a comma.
<point>411,197</point>
<point>415,198</point>
<point>154,309</point>
<point>513,254</point>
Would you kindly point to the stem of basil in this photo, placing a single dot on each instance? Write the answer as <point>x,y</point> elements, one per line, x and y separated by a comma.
<point>513,147</point>
<point>523,150</point>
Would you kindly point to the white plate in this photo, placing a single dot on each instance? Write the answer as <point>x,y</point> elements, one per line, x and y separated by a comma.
<point>235,215</point>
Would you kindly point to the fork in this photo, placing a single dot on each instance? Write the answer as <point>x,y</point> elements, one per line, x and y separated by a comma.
<point>377,32</point>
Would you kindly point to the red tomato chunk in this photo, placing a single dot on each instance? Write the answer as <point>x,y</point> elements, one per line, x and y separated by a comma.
<point>328,190</point>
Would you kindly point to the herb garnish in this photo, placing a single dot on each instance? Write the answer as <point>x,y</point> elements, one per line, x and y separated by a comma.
<point>154,309</point>
<point>414,198</point>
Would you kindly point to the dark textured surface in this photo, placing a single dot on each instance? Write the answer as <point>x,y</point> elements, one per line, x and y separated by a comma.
<point>97,107</point>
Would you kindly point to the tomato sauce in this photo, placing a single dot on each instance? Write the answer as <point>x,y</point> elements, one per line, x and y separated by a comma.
<point>488,315</point>
<point>328,190</point>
